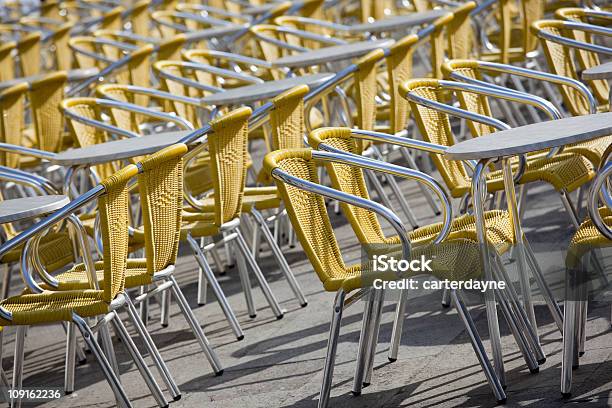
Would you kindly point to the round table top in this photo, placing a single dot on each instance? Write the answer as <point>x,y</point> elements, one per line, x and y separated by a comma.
<point>257,92</point>
<point>73,76</point>
<point>398,22</point>
<point>331,54</point>
<point>531,138</point>
<point>118,149</point>
<point>602,71</point>
<point>18,209</point>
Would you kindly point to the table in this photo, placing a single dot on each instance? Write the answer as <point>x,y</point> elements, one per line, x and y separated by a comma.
<point>504,145</point>
<point>331,54</point>
<point>74,75</point>
<point>398,22</point>
<point>258,92</point>
<point>602,71</point>
<point>19,209</point>
<point>118,149</point>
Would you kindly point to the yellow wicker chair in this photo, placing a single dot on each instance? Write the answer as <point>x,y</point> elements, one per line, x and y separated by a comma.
<point>564,172</point>
<point>40,306</point>
<point>28,48</point>
<point>295,173</point>
<point>7,63</point>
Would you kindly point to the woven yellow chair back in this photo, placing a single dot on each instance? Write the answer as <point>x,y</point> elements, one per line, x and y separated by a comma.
<point>287,119</point>
<point>227,146</point>
<point>7,63</point>
<point>45,96</point>
<point>161,16</point>
<point>12,120</point>
<point>140,20</point>
<point>86,135</point>
<point>171,49</point>
<point>532,11</point>
<point>349,179</point>
<point>50,9</point>
<point>435,127</point>
<point>82,60</point>
<point>139,67</point>
<point>422,5</point>
<point>307,211</point>
<point>121,117</point>
<point>113,208</point>
<point>160,185</point>
<point>460,33</point>
<point>468,100</point>
<point>267,51</point>
<point>63,55</point>
<point>585,59</point>
<point>173,67</point>
<point>111,20</point>
<point>560,61</point>
<point>399,69</point>
<point>366,89</point>
<point>29,54</point>
<point>438,43</point>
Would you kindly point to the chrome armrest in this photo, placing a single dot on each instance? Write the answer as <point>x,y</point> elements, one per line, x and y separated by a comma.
<point>156,93</point>
<point>323,23</point>
<point>329,153</point>
<point>530,74</point>
<point>280,43</point>
<point>91,54</point>
<point>100,76</point>
<point>311,36</point>
<point>219,11</point>
<point>28,151</point>
<point>183,123</point>
<point>569,42</point>
<point>99,124</point>
<point>341,196</point>
<point>201,19</point>
<point>40,184</point>
<point>222,72</point>
<point>241,59</point>
<point>599,189</point>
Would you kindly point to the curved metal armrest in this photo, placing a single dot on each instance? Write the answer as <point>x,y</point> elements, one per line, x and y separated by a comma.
<point>569,42</point>
<point>27,151</point>
<point>222,72</point>
<point>599,188</point>
<point>183,123</point>
<point>100,76</point>
<point>241,59</point>
<point>99,124</point>
<point>219,11</point>
<point>530,74</point>
<point>311,36</point>
<point>279,43</point>
<point>40,184</point>
<point>332,154</point>
<point>323,23</point>
<point>201,19</point>
<point>91,54</point>
<point>128,35</point>
<point>334,194</point>
<point>156,93</point>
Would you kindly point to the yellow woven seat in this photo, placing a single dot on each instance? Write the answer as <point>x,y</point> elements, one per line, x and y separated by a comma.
<point>264,198</point>
<point>76,278</point>
<point>55,251</point>
<point>587,238</point>
<point>47,307</point>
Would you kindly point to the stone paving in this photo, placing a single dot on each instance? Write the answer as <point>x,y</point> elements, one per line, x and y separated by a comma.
<point>279,362</point>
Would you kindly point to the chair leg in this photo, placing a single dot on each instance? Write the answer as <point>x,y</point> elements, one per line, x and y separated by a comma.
<point>479,349</point>
<point>107,369</point>
<point>245,283</point>
<point>107,344</point>
<point>153,351</point>
<point>398,325</point>
<point>379,297</point>
<point>280,259</point>
<point>210,277</point>
<point>139,361</point>
<point>569,346</point>
<point>18,363</point>
<point>446,300</point>
<point>210,354</point>
<point>569,208</point>
<point>263,284</point>
<point>361,362</point>
<point>332,345</point>
<point>69,370</point>
<point>165,308</point>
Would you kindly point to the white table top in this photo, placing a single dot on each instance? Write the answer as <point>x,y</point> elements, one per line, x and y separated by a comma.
<point>73,76</point>
<point>253,93</point>
<point>398,22</point>
<point>118,149</point>
<point>331,54</point>
<point>23,208</point>
<point>531,138</point>
<point>603,71</point>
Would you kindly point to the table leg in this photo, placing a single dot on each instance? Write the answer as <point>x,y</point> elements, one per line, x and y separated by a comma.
<point>478,193</point>
<point>520,245</point>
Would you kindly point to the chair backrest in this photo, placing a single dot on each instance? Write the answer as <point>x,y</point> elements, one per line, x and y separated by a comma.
<point>12,121</point>
<point>63,55</point>
<point>460,33</point>
<point>266,49</point>
<point>470,101</point>
<point>560,61</point>
<point>29,51</point>
<point>160,185</point>
<point>139,66</point>
<point>88,45</point>
<point>399,69</point>
<point>227,146</point>
<point>434,127</point>
<point>121,117</point>
<point>366,88</point>
<point>7,63</point>
<point>351,180</point>
<point>50,9</point>
<point>174,68</point>
<point>140,18</point>
<point>45,96</point>
<point>438,43</point>
<point>111,20</point>
<point>171,49</point>
<point>307,212</point>
<point>287,119</point>
<point>113,208</point>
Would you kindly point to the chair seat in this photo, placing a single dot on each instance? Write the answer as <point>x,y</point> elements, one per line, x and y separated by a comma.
<point>263,198</point>
<point>76,278</point>
<point>586,238</point>
<point>592,150</point>
<point>48,307</point>
<point>457,258</point>
<point>55,251</point>
<point>564,171</point>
